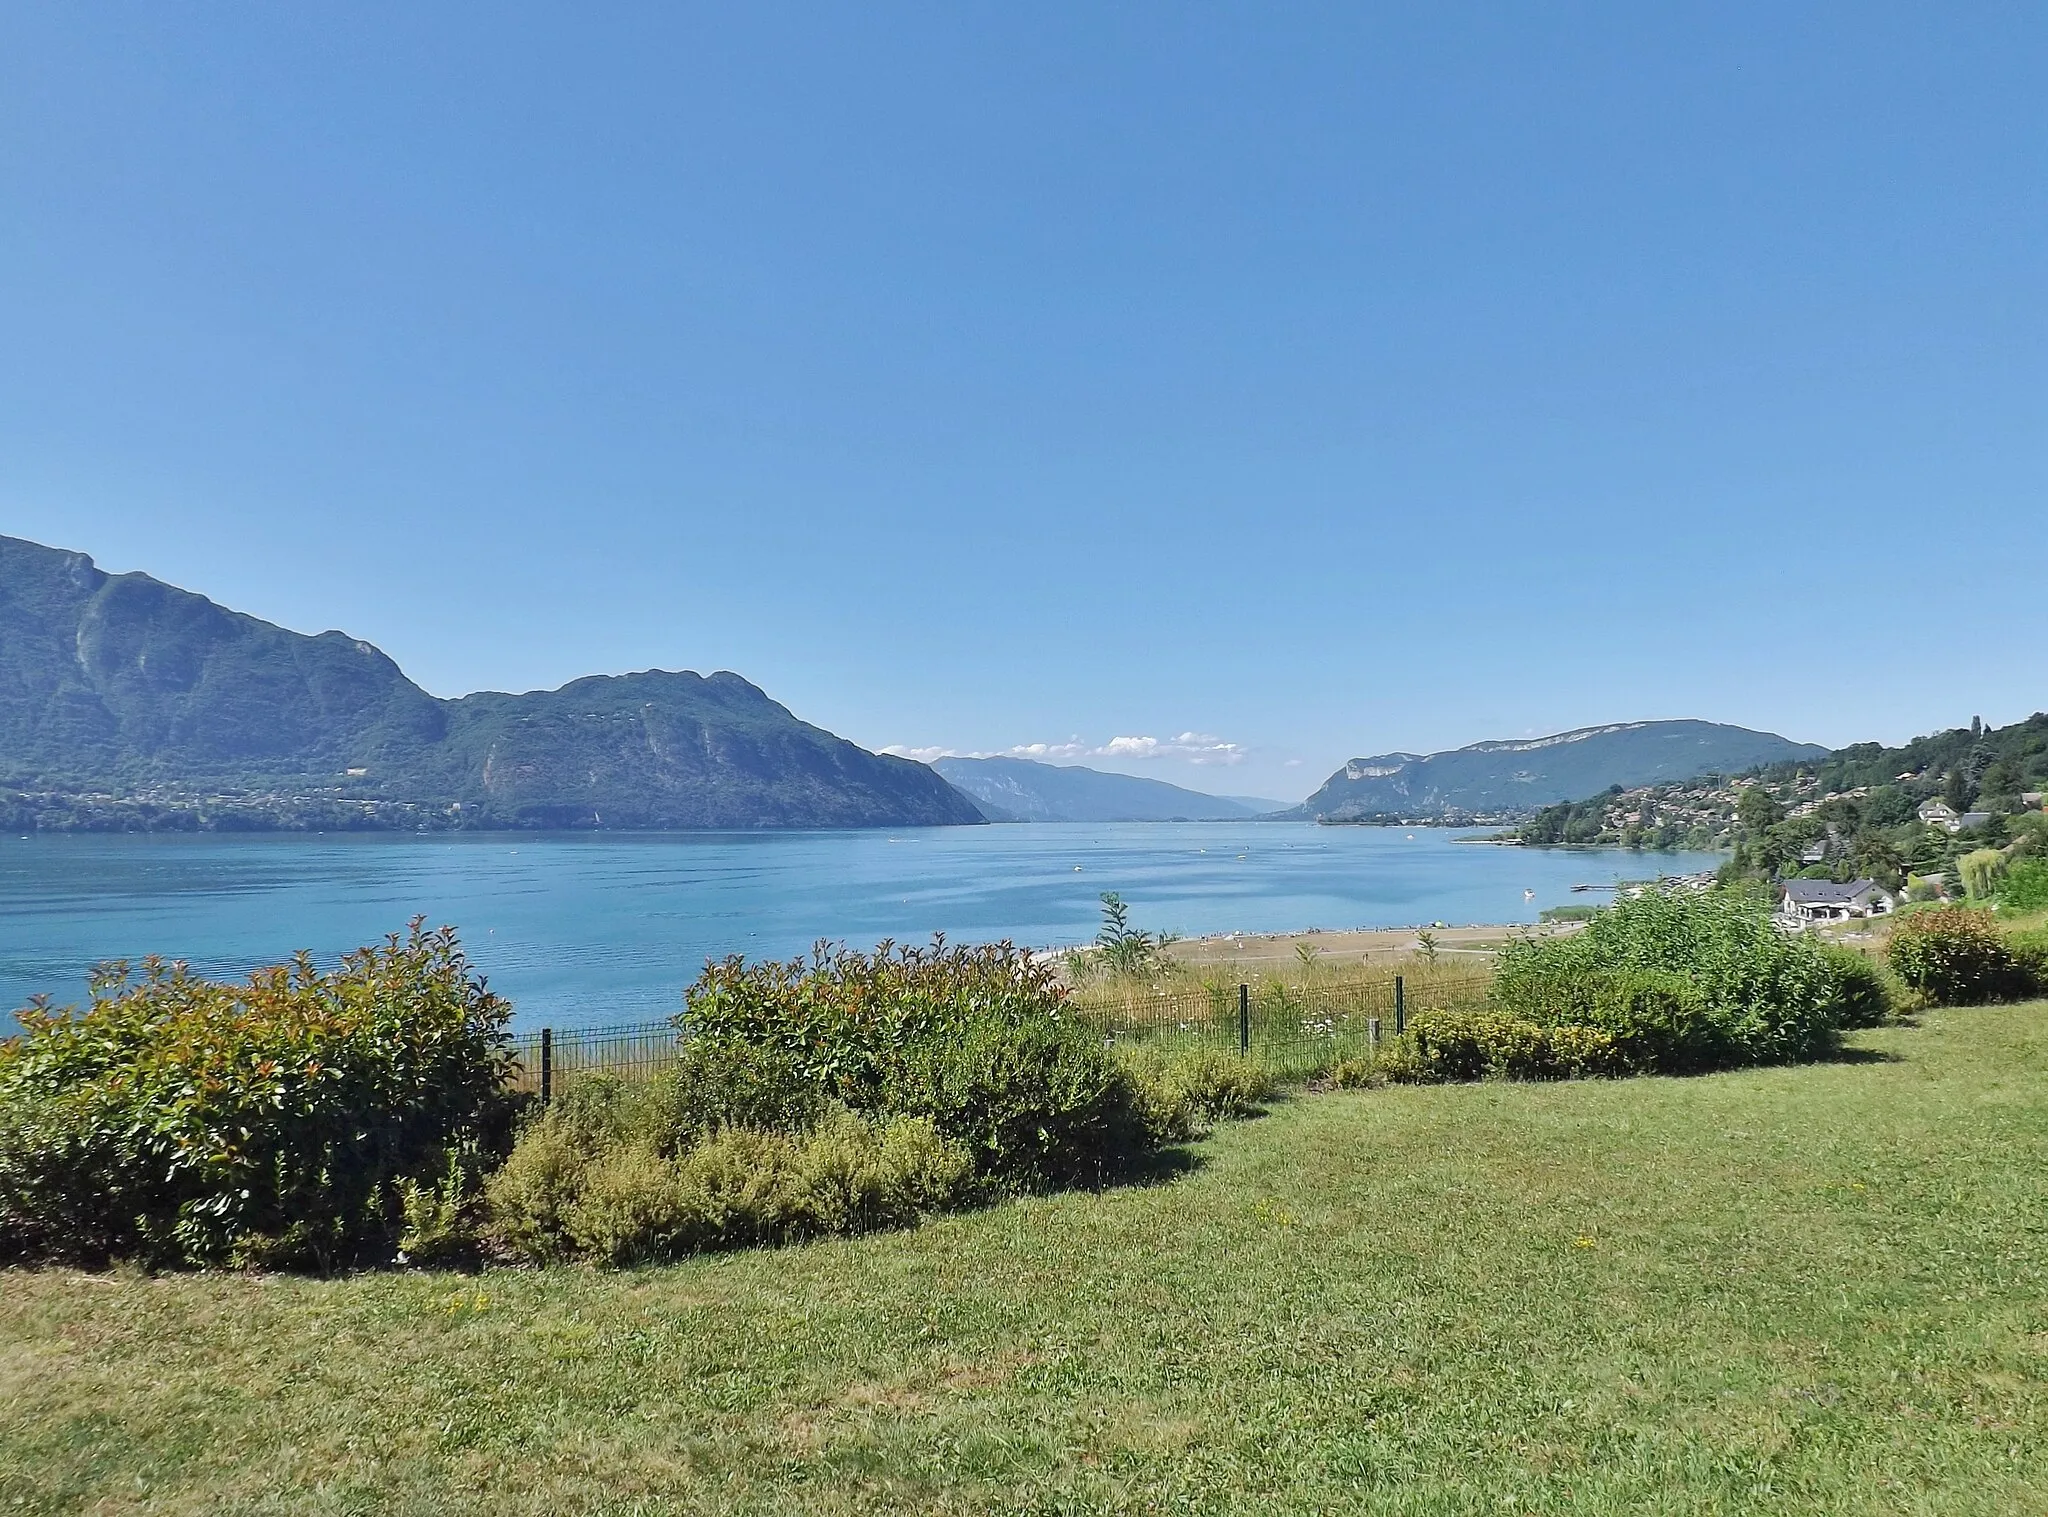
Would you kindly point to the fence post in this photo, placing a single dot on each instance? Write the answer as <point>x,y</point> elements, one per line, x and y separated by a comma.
<point>1372,1031</point>
<point>547,1064</point>
<point>1400,1005</point>
<point>1244,1018</point>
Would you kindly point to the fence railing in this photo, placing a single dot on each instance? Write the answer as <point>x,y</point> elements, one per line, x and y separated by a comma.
<point>1297,1030</point>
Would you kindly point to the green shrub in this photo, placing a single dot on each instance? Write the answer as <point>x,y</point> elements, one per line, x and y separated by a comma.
<point>444,1218</point>
<point>2030,952</point>
<point>2026,885</point>
<point>271,1121</point>
<point>1955,957</point>
<point>1863,992</point>
<point>1488,1044</point>
<point>1038,1103</point>
<point>845,1021</point>
<point>1362,1072</point>
<point>737,1186</point>
<point>68,1190</point>
<point>1744,991</point>
<point>1222,1086</point>
<point>1655,1020</point>
<point>719,1083</point>
<point>1166,1112</point>
<point>631,1206</point>
<point>853,1175</point>
<point>1185,1091</point>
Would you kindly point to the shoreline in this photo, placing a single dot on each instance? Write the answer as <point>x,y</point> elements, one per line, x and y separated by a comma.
<point>1364,945</point>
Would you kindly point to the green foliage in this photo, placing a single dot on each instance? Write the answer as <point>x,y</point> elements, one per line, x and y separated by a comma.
<point>717,1084</point>
<point>629,1202</point>
<point>845,1021</point>
<point>1182,1091</point>
<point>1124,949</point>
<point>1982,869</point>
<point>1863,992</point>
<point>444,1218</point>
<point>272,1121</point>
<point>2025,887</point>
<point>1758,809</point>
<point>1490,1044</point>
<point>2030,952</point>
<point>1955,957</point>
<point>1731,988</point>
<point>1038,1103</point>
<point>531,1196</point>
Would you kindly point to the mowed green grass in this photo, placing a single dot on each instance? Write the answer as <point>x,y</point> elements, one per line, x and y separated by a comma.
<point>1801,1290</point>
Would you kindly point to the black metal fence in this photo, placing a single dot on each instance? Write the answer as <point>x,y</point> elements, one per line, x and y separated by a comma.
<point>632,1050</point>
<point>1296,1030</point>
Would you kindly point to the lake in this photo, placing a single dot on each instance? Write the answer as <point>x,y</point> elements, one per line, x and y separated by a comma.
<point>584,928</point>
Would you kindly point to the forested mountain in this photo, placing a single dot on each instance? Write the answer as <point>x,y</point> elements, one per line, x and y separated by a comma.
<point>128,702</point>
<point>1022,790</point>
<point>1516,776</point>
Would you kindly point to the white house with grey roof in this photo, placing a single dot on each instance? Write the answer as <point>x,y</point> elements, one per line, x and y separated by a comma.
<point>1809,901</point>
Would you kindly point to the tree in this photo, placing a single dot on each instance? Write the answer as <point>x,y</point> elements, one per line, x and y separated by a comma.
<point>2001,778</point>
<point>1956,790</point>
<point>1876,859</point>
<point>1758,809</point>
<point>1981,872</point>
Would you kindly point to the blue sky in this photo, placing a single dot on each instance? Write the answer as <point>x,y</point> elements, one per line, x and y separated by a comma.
<point>1274,384</point>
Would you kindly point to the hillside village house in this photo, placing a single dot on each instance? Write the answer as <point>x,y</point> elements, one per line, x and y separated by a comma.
<point>1809,901</point>
<point>1938,814</point>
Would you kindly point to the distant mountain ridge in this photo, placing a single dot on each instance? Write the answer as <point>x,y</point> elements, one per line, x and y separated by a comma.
<point>1512,776</point>
<point>1024,790</point>
<point>169,709</point>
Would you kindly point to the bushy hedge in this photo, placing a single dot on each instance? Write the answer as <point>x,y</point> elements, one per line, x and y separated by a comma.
<point>1663,983</point>
<point>846,1020</point>
<point>2025,887</point>
<point>608,1173</point>
<point>278,1120</point>
<point>978,1039</point>
<point>1691,980</point>
<point>1956,957</point>
<point>841,1094</point>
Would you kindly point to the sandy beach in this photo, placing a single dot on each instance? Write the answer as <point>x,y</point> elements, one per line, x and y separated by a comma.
<point>1477,940</point>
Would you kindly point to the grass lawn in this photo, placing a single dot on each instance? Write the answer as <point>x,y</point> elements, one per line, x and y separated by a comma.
<point>1800,1290</point>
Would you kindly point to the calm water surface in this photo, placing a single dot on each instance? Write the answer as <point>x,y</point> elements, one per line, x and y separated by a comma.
<point>581,929</point>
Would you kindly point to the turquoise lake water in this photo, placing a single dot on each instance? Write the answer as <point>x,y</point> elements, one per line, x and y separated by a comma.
<point>589,928</point>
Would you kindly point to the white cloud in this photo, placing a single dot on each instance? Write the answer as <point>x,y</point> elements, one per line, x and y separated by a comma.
<point>1195,747</point>
<point>1189,747</point>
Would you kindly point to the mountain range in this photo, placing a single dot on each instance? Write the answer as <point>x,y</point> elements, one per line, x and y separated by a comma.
<point>1023,790</point>
<point>1516,776</point>
<point>133,702</point>
<point>128,702</point>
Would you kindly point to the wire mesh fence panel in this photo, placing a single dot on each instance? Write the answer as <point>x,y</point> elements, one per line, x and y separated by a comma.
<point>632,1051</point>
<point>1297,1030</point>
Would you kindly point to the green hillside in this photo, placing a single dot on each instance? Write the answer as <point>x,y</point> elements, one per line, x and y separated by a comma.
<point>1516,776</point>
<point>126,702</point>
